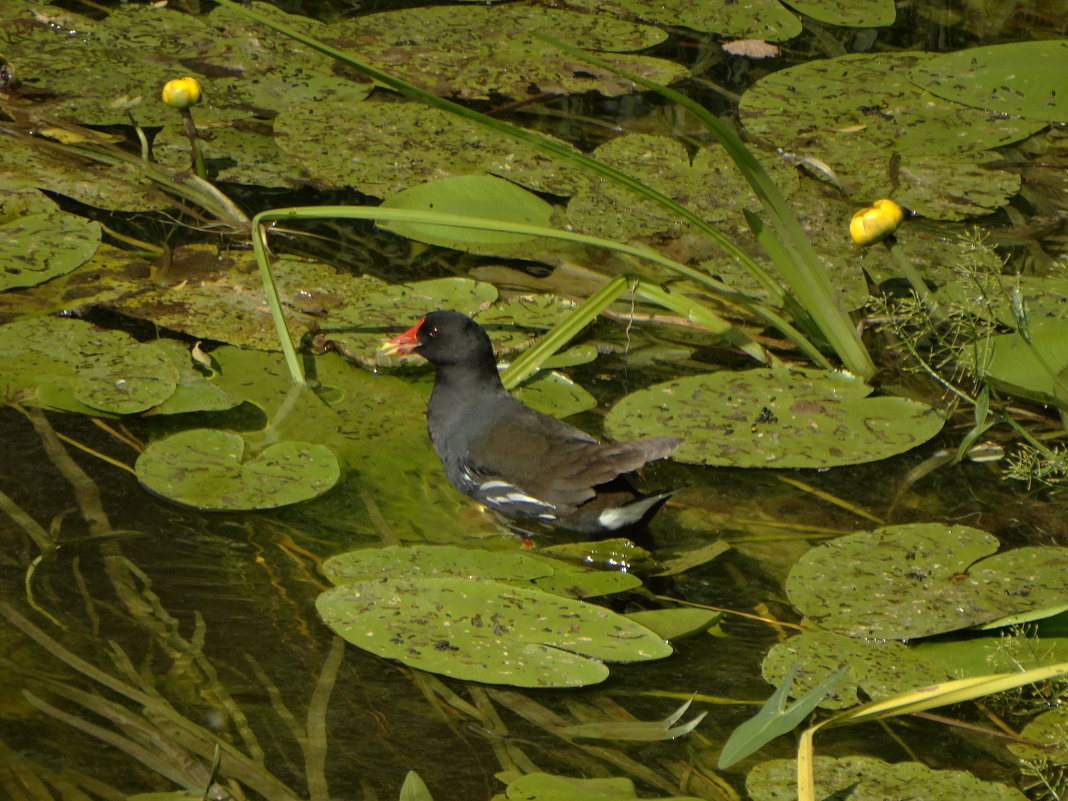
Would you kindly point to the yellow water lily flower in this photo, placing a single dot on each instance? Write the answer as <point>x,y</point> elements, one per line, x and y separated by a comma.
<point>876,222</point>
<point>181,92</point>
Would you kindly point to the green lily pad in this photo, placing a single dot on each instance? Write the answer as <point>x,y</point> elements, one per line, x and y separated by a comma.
<point>614,552</point>
<point>38,241</point>
<point>674,624</point>
<point>194,393</point>
<point>880,669</point>
<point>1025,79</point>
<point>471,196</point>
<point>582,581</point>
<point>361,326</point>
<point>903,582</point>
<point>222,298</point>
<point>485,51</point>
<point>210,469</point>
<point>884,136</point>
<point>292,412</point>
<point>439,561</point>
<point>764,19</point>
<point>774,418</point>
<point>999,651</point>
<point>443,561</point>
<point>868,779</point>
<point>555,394</point>
<point>851,13</point>
<point>869,98</point>
<point>943,187</point>
<point>1035,370</point>
<point>486,631</point>
<point>1049,728</point>
<point>71,365</point>
<point>546,787</point>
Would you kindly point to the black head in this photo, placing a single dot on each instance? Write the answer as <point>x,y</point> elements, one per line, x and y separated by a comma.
<point>447,338</point>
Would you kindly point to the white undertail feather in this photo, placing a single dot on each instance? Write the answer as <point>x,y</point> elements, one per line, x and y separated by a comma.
<point>623,516</point>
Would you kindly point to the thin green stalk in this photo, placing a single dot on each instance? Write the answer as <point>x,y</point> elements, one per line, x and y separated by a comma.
<point>912,275</point>
<point>194,144</point>
<point>274,302</point>
<point>259,241</point>
<point>802,271</point>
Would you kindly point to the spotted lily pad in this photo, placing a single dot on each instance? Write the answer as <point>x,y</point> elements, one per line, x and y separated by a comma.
<point>434,561</point>
<point>38,241</point>
<point>774,418</point>
<point>210,469</point>
<point>71,365</point>
<point>880,669</point>
<point>884,136</point>
<point>554,393</point>
<point>764,19</point>
<point>1026,79</point>
<point>869,779</point>
<point>486,630</point>
<point>902,582</point>
<point>557,576</point>
<point>486,51</point>
<point>851,13</point>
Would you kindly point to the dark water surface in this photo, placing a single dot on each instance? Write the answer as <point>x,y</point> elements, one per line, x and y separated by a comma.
<point>215,612</point>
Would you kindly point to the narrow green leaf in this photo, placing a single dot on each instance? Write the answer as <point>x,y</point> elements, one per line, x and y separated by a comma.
<point>774,719</point>
<point>946,693</point>
<point>414,788</point>
<point>803,272</point>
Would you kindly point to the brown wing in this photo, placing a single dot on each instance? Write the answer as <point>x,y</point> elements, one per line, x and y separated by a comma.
<point>555,462</point>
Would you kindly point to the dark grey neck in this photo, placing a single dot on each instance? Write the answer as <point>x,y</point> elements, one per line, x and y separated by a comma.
<point>460,383</point>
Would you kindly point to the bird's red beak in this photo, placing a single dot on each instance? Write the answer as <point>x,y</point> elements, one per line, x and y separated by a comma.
<point>403,343</point>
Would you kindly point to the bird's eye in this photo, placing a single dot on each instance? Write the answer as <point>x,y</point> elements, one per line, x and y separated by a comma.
<point>433,332</point>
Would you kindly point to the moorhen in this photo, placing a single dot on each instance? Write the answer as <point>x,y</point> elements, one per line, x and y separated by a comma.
<point>512,459</point>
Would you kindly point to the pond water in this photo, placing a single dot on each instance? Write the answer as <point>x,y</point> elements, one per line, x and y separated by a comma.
<point>145,637</point>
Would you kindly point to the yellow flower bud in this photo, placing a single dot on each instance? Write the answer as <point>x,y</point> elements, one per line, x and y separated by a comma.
<point>876,222</point>
<point>181,92</point>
